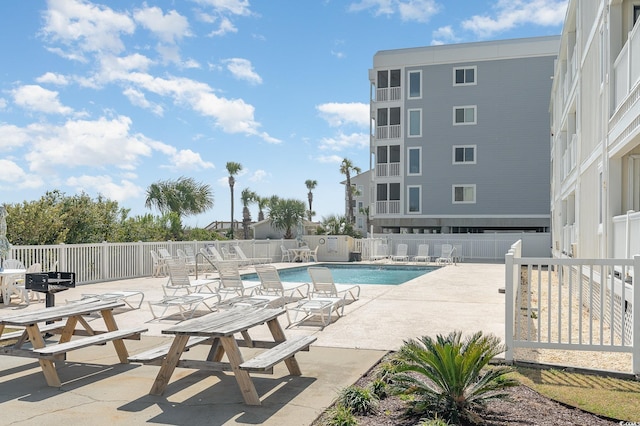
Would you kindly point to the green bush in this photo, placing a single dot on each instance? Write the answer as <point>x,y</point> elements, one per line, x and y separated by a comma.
<point>448,375</point>
<point>341,416</point>
<point>358,399</point>
<point>379,388</point>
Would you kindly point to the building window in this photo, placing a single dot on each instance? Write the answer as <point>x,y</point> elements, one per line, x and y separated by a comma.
<point>388,160</point>
<point>414,155</point>
<point>464,115</point>
<point>388,78</point>
<point>464,194</point>
<point>413,199</point>
<point>415,84</point>
<point>464,76</point>
<point>464,154</point>
<point>388,123</point>
<point>415,122</point>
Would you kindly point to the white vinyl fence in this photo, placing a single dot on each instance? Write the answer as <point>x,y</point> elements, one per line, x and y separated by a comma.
<point>571,304</point>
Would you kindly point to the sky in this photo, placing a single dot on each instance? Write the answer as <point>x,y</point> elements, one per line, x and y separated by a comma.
<point>108,97</point>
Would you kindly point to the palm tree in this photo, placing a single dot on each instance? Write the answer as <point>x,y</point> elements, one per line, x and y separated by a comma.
<point>346,167</point>
<point>247,198</point>
<point>447,375</point>
<point>262,202</point>
<point>233,169</point>
<point>311,185</point>
<point>285,214</point>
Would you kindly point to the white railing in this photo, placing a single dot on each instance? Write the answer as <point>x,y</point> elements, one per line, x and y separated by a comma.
<point>626,68</point>
<point>382,169</point>
<point>626,229</point>
<point>388,94</point>
<point>569,157</point>
<point>388,207</point>
<point>394,169</point>
<point>571,304</point>
<point>388,132</point>
<point>568,239</point>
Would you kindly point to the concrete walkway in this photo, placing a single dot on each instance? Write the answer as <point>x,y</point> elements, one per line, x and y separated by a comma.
<point>97,390</point>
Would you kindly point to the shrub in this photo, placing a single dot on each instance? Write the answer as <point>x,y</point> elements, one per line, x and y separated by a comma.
<point>379,388</point>
<point>341,416</point>
<point>447,375</point>
<point>358,399</point>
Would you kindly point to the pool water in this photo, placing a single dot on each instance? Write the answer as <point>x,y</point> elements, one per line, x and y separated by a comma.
<point>355,274</point>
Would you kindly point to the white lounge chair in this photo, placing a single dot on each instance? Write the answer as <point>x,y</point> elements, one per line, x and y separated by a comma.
<point>402,253</point>
<point>286,254</point>
<point>117,296</point>
<point>270,283</point>
<point>446,255</point>
<point>250,260</point>
<point>159,266</point>
<point>179,280</point>
<point>423,254</point>
<point>189,261</point>
<point>380,252</point>
<point>324,286</point>
<point>231,283</point>
<point>186,304</point>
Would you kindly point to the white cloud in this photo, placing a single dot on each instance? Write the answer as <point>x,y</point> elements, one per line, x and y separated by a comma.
<point>512,13</point>
<point>3,103</point>
<point>188,160</point>
<point>118,191</point>
<point>36,98</point>
<point>340,114</point>
<point>342,141</point>
<point>225,27</point>
<point>168,27</point>
<point>380,7</point>
<point>444,35</point>
<point>243,70</point>
<point>409,10</point>
<point>235,7</point>
<point>13,177</point>
<point>137,98</point>
<point>258,176</point>
<point>53,78</point>
<point>85,26</point>
<point>12,137</point>
<point>330,159</point>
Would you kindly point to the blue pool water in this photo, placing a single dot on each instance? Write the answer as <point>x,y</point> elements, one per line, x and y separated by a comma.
<point>355,274</point>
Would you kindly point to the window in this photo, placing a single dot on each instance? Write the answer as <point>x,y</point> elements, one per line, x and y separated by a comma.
<point>414,161</point>
<point>464,154</point>
<point>415,122</point>
<point>464,194</point>
<point>388,78</point>
<point>388,160</point>
<point>636,13</point>
<point>464,115</point>
<point>464,76</point>
<point>388,116</point>
<point>415,86</point>
<point>413,199</point>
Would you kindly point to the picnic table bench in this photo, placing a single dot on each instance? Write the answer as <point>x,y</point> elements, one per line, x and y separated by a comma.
<point>67,316</point>
<point>218,330</point>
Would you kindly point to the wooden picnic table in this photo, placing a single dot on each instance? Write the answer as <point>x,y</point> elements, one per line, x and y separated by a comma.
<point>218,329</point>
<point>67,316</point>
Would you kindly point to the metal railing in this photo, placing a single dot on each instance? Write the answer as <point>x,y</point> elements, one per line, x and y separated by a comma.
<point>571,304</point>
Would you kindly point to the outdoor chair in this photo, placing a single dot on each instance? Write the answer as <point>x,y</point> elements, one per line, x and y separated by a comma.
<point>189,261</point>
<point>270,283</point>
<point>250,260</point>
<point>20,286</point>
<point>118,296</point>
<point>313,254</point>
<point>446,255</point>
<point>423,254</point>
<point>402,251</point>
<point>324,286</point>
<point>179,280</point>
<point>159,266</point>
<point>380,252</point>
<point>286,254</point>
<point>231,283</point>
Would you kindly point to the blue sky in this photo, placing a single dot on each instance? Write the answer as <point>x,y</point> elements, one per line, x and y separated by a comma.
<point>108,97</point>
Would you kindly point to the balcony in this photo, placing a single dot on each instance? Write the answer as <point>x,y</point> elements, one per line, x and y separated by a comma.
<point>388,132</point>
<point>388,207</point>
<point>388,94</point>
<point>626,68</point>
<point>569,157</point>
<point>387,169</point>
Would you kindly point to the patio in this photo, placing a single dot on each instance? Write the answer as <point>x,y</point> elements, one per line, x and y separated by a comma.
<point>461,297</point>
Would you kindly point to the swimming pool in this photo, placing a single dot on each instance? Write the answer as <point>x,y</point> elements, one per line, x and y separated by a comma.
<point>355,274</point>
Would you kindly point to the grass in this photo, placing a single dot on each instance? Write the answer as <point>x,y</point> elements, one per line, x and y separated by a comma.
<point>605,396</point>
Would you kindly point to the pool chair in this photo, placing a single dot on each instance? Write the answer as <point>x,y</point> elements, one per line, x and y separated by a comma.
<point>231,283</point>
<point>250,260</point>
<point>286,254</point>
<point>402,253</point>
<point>270,283</point>
<point>446,255</point>
<point>423,254</point>
<point>380,252</point>
<point>118,296</point>
<point>179,280</point>
<point>324,286</point>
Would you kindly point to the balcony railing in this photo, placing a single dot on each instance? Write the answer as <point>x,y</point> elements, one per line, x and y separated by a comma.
<point>626,68</point>
<point>387,169</point>
<point>388,94</point>
<point>569,158</point>
<point>388,207</point>
<point>388,132</point>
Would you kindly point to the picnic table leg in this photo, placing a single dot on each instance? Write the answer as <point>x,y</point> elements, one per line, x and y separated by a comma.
<point>48,367</point>
<point>278,336</point>
<point>245,383</point>
<point>118,344</point>
<point>216,352</point>
<point>169,364</point>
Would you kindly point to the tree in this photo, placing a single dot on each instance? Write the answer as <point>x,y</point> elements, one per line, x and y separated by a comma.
<point>346,168</point>
<point>263,202</point>
<point>233,169</point>
<point>285,214</point>
<point>311,185</point>
<point>247,198</point>
<point>338,225</point>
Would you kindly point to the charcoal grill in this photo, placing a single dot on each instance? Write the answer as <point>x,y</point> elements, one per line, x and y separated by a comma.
<point>50,283</point>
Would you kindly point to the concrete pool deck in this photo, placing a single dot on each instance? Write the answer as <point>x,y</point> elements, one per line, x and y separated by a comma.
<point>97,390</point>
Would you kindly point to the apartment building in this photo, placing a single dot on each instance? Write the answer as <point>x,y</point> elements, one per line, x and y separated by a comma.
<point>460,137</point>
<point>595,126</point>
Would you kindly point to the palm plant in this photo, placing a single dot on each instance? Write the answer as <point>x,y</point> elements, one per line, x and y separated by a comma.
<point>447,375</point>
<point>262,202</point>
<point>346,168</point>
<point>233,169</point>
<point>311,185</point>
<point>247,196</point>
<point>285,214</point>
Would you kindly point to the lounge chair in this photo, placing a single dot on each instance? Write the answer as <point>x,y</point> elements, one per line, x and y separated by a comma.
<point>458,255</point>
<point>179,280</point>
<point>323,285</point>
<point>446,255</point>
<point>117,296</point>
<point>231,283</point>
<point>286,254</point>
<point>270,283</point>
<point>216,257</point>
<point>402,253</point>
<point>186,304</point>
<point>380,252</point>
<point>423,254</point>
<point>313,254</point>
<point>189,261</point>
<point>250,260</point>
<point>159,266</point>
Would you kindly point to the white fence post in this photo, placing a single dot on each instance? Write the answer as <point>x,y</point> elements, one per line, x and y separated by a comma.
<point>636,317</point>
<point>508,306</point>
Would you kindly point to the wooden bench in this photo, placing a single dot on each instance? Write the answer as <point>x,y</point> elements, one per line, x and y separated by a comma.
<point>45,328</point>
<point>61,348</point>
<point>281,352</point>
<point>155,355</point>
